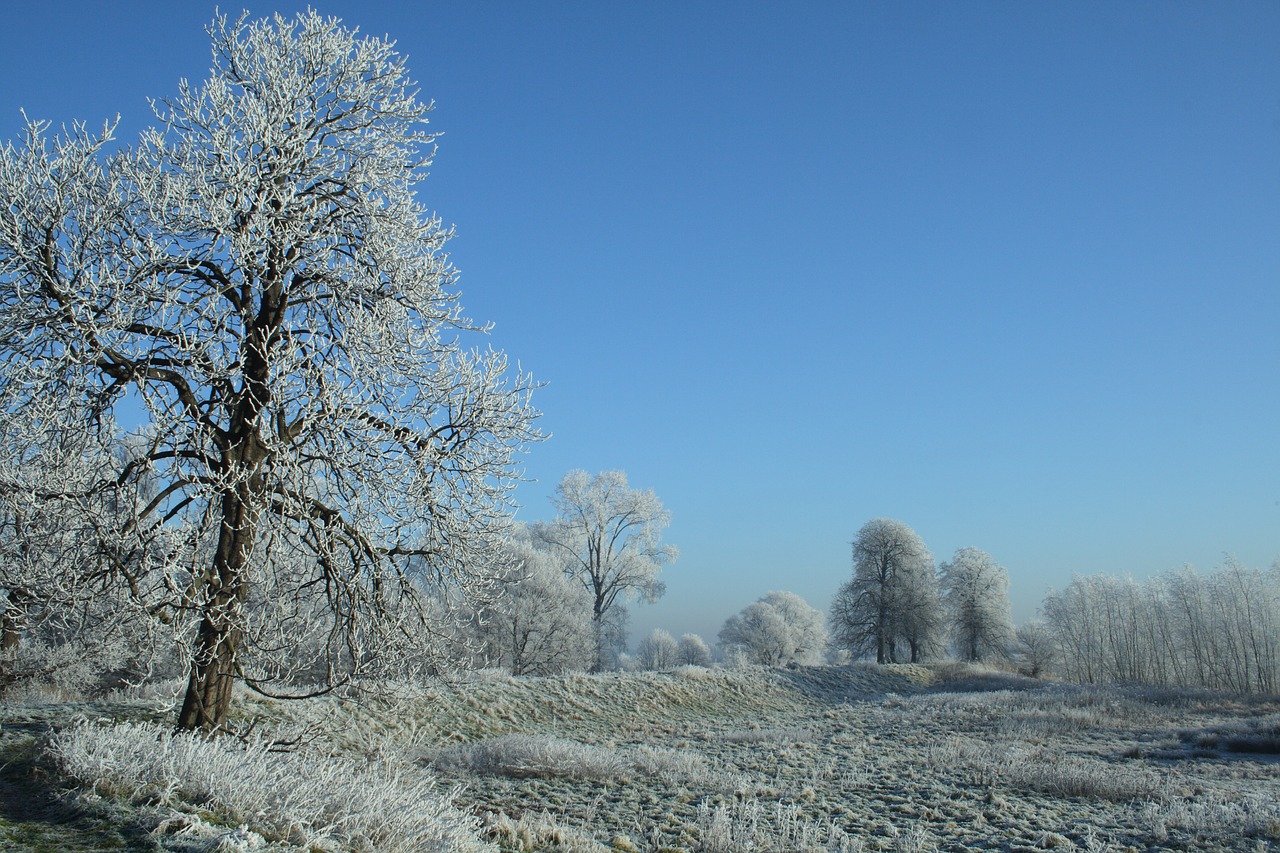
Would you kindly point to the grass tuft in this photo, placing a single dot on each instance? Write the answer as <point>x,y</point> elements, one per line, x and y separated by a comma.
<point>297,798</point>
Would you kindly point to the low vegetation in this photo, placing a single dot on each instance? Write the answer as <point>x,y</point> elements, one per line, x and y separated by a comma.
<point>854,758</point>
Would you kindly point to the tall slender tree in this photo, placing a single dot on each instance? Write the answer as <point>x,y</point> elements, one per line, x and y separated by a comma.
<point>610,537</point>
<point>976,593</point>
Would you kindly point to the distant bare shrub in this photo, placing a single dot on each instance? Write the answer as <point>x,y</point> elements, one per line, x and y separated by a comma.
<point>692,650</point>
<point>658,651</point>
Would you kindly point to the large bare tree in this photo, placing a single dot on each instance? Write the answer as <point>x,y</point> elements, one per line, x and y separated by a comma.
<point>609,536</point>
<point>258,282</point>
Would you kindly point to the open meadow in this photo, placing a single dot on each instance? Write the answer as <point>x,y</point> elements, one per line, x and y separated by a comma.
<point>862,757</point>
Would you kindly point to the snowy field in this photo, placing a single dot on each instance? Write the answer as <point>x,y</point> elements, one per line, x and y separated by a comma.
<point>898,758</point>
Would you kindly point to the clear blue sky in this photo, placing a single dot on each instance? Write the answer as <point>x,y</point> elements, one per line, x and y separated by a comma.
<point>1005,271</point>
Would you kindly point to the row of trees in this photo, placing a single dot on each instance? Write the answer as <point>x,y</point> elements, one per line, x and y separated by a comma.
<point>1219,631</point>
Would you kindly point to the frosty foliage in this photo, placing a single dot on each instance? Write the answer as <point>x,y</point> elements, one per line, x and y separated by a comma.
<point>692,650</point>
<point>540,620</point>
<point>1220,631</point>
<point>975,590</point>
<point>658,651</point>
<point>259,277</point>
<point>610,538</point>
<point>778,629</point>
<point>61,626</point>
<point>306,799</point>
<point>891,605</point>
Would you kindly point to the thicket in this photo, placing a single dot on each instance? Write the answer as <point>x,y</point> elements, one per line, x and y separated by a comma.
<point>1219,631</point>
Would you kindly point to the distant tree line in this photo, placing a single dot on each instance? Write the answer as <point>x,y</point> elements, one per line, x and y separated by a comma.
<point>1181,629</point>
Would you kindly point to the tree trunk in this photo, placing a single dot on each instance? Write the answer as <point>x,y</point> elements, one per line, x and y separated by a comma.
<point>11,633</point>
<point>10,625</point>
<point>214,665</point>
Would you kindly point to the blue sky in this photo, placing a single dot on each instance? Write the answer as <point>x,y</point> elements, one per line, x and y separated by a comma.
<point>1005,271</point>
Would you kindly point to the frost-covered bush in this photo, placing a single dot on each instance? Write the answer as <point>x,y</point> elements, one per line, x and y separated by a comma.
<point>658,651</point>
<point>778,629</point>
<point>692,650</point>
<point>298,797</point>
<point>540,620</point>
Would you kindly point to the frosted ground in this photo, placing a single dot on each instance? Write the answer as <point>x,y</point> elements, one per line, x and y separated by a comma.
<point>898,758</point>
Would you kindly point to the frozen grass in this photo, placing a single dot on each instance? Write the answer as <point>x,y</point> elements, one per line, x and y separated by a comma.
<point>1259,736</point>
<point>747,826</point>
<point>1047,771</point>
<point>519,756</point>
<point>531,833</point>
<point>859,757</point>
<point>1213,815</point>
<point>304,800</point>
<point>768,735</point>
<point>533,755</point>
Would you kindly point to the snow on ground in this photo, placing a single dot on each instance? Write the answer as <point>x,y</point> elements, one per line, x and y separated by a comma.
<point>863,757</point>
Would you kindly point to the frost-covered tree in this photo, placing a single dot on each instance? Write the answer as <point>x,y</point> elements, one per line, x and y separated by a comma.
<point>259,278</point>
<point>59,623</point>
<point>692,650</point>
<point>610,536</point>
<point>539,621</point>
<point>778,629</point>
<point>658,651</point>
<point>975,590</point>
<point>1219,631</point>
<point>920,620</point>
<point>891,603</point>
<point>1034,648</point>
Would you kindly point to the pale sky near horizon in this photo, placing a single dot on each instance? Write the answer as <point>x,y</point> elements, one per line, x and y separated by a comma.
<point>1007,272</point>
